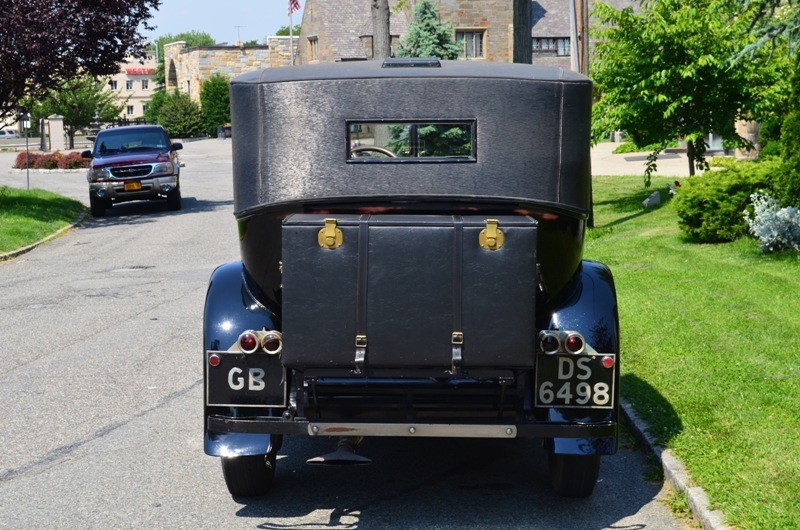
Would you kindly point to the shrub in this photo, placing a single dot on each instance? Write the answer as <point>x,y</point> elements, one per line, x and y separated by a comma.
<point>180,116</point>
<point>51,161</point>
<point>775,228</point>
<point>710,206</point>
<point>32,159</point>
<point>630,147</point>
<point>72,161</point>
<point>215,100</point>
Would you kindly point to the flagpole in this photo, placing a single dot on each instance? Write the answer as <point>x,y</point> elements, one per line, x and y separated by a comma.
<point>291,36</point>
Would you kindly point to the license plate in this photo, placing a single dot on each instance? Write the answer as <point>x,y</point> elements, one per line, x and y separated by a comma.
<point>245,380</point>
<point>133,186</point>
<point>574,381</point>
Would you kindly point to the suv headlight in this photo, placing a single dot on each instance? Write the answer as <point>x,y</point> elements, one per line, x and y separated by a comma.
<point>162,168</point>
<point>94,175</point>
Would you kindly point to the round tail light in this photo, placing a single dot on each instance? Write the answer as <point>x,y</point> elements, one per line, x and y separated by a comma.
<point>272,342</point>
<point>574,343</point>
<point>248,342</point>
<point>549,342</point>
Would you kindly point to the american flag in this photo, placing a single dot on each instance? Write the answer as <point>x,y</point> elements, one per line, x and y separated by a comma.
<point>294,5</point>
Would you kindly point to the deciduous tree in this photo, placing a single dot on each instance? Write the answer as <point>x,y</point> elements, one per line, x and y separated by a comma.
<point>45,43</point>
<point>79,100</point>
<point>666,73</point>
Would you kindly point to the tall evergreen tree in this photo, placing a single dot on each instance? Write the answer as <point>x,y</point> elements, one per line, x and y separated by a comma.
<point>427,36</point>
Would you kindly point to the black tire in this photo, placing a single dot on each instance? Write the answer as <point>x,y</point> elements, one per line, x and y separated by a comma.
<point>248,476</point>
<point>97,206</point>
<point>174,200</point>
<point>573,475</point>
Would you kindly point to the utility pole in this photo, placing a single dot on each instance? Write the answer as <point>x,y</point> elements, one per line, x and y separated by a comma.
<point>582,31</point>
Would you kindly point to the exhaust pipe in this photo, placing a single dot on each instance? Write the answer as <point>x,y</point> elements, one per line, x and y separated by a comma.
<point>345,454</point>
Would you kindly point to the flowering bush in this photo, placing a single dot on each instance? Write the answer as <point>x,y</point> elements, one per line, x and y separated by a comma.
<point>51,161</point>
<point>776,228</point>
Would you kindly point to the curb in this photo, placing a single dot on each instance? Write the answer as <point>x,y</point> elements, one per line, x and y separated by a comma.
<point>675,472</point>
<point>14,253</point>
<point>47,171</point>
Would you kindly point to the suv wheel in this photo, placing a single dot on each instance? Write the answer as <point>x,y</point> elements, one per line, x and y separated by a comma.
<point>97,206</point>
<point>248,476</point>
<point>573,475</point>
<point>174,200</point>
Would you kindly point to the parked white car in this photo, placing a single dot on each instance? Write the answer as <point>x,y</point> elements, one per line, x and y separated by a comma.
<point>7,133</point>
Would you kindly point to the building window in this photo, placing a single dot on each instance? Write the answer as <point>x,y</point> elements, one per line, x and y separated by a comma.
<point>560,45</point>
<point>129,85</point>
<point>144,108</point>
<point>130,110</point>
<point>313,46</point>
<point>471,43</point>
<point>145,84</point>
<point>112,84</point>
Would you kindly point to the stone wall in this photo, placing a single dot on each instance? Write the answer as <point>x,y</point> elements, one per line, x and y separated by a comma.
<point>187,68</point>
<point>493,16</point>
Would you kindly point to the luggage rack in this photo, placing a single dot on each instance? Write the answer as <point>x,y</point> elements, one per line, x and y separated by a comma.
<point>439,396</point>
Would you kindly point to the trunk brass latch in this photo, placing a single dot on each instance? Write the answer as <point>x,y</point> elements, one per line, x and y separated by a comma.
<point>331,236</point>
<point>491,237</point>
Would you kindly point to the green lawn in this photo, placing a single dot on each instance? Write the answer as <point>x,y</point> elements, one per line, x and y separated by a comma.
<point>710,351</point>
<point>27,216</point>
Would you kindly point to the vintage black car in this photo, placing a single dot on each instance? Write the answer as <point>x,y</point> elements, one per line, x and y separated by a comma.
<point>411,265</point>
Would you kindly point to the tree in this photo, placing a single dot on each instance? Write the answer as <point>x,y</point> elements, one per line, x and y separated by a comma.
<point>772,20</point>
<point>427,37</point>
<point>666,73</point>
<point>283,31</point>
<point>45,43</point>
<point>381,37</point>
<point>191,38</point>
<point>79,101</point>
<point>180,116</point>
<point>215,100</point>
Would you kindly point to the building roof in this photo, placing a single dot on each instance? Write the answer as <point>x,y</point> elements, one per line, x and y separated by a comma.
<point>550,18</point>
<point>343,28</point>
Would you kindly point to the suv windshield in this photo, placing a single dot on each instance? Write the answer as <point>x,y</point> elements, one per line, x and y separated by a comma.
<point>111,141</point>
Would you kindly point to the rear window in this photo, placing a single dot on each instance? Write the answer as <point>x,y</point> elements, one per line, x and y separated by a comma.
<point>112,141</point>
<point>411,141</point>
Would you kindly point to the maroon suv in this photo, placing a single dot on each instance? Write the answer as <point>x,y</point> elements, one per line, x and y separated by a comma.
<point>133,163</point>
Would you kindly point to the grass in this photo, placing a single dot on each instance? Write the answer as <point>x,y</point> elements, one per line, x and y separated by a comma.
<point>28,216</point>
<point>630,147</point>
<point>710,350</point>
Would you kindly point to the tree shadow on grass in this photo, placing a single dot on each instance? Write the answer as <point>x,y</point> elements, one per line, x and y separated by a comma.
<point>632,202</point>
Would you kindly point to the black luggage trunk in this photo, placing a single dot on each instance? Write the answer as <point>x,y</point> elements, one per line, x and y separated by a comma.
<point>408,291</point>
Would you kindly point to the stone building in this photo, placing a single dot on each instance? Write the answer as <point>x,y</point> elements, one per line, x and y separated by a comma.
<point>187,67</point>
<point>341,30</point>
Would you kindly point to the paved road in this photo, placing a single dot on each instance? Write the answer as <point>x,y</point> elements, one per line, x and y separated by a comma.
<point>101,391</point>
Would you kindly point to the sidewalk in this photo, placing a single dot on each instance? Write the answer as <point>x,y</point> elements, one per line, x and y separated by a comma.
<point>604,162</point>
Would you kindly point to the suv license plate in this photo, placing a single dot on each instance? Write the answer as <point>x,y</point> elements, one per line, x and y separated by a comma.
<point>133,186</point>
<point>575,381</point>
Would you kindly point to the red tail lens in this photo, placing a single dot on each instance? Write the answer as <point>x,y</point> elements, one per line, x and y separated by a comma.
<point>214,359</point>
<point>248,342</point>
<point>549,343</point>
<point>608,362</point>
<point>574,343</point>
<point>272,342</point>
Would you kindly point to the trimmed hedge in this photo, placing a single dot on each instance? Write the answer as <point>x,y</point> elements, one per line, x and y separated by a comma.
<point>51,161</point>
<point>710,206</point>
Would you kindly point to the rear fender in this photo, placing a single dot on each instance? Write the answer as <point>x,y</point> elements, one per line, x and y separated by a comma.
<point>591,310</point>
<point>230,309</point>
